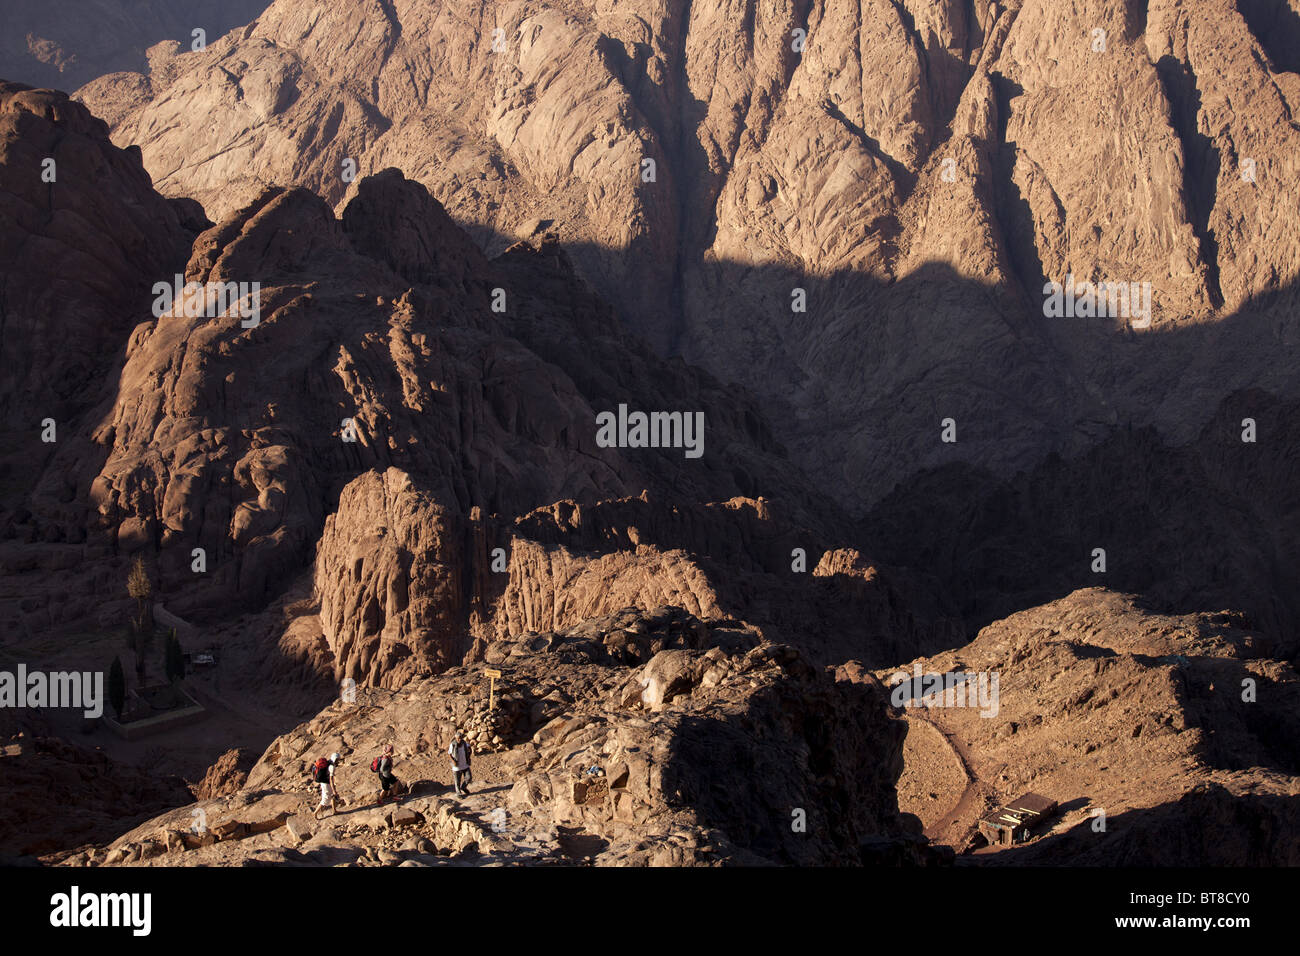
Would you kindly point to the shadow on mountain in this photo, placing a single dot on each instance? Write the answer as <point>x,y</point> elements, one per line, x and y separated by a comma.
<point>1175,457</point>
<point>814,791</point>
<point>1206,526</point>
<point>1208,826</point>
<point>1276,26</point>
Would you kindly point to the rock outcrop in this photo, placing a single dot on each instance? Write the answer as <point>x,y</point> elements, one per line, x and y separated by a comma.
<point>225,776</point>
<point>73,199</point>
<point>588,755</point>
<point>241,455</point>
<point>432,451</point>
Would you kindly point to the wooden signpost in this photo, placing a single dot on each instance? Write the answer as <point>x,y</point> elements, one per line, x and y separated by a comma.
<point>492,674</point>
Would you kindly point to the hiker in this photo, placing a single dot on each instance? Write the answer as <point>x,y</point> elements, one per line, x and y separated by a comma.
<point>388,782</point>
<point>459,753</point>
<point>323,773</point>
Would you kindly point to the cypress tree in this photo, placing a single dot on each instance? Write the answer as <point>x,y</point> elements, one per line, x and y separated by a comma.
<point>117,687</point>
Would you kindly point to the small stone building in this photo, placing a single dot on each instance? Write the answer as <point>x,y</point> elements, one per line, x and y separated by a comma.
<point>1015,822</point>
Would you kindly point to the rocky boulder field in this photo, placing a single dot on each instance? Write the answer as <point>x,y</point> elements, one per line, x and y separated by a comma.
<point>610,743</point>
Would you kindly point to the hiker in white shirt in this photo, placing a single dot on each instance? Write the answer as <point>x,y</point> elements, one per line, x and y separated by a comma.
<point>459,754</point>
<point>324,775</point>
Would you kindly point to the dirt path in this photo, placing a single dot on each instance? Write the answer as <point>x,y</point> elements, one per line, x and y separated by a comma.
<point>965,803</point>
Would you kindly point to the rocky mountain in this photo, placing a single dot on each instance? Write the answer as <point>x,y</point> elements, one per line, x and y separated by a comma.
<point>342,325</point>
<point>67,44</point>
<point>466,422</point>
<point>1167,740</point>
<point>854,207</point>
<point>429,463</point>
<point>71,197</point>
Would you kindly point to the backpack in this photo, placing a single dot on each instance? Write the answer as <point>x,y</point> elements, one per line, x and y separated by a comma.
<point>321,771</point>
<point>374,764</point>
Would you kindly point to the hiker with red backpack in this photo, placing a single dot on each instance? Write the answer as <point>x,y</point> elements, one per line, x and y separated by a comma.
<point>323,773</point>
<point>388,782</point>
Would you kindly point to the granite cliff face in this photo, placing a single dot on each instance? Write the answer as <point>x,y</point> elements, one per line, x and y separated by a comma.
<point>1209,524</point>
<point>920,171</point>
